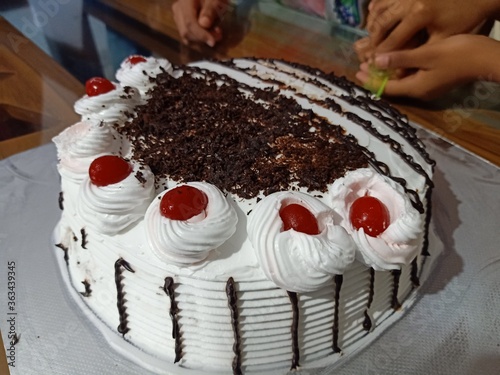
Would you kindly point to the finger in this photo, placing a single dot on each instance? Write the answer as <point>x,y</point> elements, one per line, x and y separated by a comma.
<point>217,33</point>
<point>363,77</point>
<point>412,85</point>
<point>363,48</point>
<point>364,67</point>
<point>186,19</point>
<point>405,31</point>
<point>405,59</point>
<point>381,25</point>
<point>377,7</point>
<point>184,13</point>
<point>212,12</point>
<point>371,80</point>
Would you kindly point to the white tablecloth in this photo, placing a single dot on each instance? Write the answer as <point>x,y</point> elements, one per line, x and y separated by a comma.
<point>453,329</point>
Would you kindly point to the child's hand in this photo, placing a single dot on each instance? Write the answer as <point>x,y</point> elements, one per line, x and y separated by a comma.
<point>432,69</point>
<point>393,23</point>
<point>197,20</point>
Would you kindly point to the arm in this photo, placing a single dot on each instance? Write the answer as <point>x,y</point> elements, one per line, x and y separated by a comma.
<point>197,20</point>
<point>437,67</point>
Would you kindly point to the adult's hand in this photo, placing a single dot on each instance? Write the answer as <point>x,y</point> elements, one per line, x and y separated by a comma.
<point>198,20</point>
<point>434,68</point>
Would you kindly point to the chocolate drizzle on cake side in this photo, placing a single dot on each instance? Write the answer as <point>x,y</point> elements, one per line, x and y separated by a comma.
<point>168,288</point>
<point>88,289</point>
<point>395,304</point>
<point>84,238</point>
<point>294,300</point>
<point>367,323</point>
<point>338,286</point>
<point>60,201</point>
<point>415,281</point>
<point>232,300</point>
<point>120,265</point>
<point>66,250</point>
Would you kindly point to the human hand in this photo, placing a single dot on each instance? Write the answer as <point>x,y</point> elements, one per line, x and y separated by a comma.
<point>365,49</point>
<point>434,68</point>
<point>197,20</point>
<point>392,24</point>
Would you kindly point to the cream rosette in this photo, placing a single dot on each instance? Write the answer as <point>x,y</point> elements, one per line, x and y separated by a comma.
<point>141,74</point>
<point>293,260</point>
<point>111,107</point>
<point>397,244</point>
<point>78,145</point>
<point>185,242</point>
<point>113,208</point>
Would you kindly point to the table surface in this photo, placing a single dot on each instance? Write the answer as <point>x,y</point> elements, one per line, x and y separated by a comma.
<point>92,37</point>
<point>87,38</point>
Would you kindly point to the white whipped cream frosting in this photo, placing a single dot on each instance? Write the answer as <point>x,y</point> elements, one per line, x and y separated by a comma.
<point>78,145</point>
<point>185,242</point>
<point>111,107</point>
<point>398,244</point>
<point>141,75</point>
<point>113,208</point>
<point>297,261</point>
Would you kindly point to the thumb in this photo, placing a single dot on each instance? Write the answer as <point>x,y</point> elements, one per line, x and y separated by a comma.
<point>404,59</point>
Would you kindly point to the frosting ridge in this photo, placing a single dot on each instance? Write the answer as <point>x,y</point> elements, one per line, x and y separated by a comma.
<point>395,246</point>
<point>111,209</point>
<point>184,242</point>
<point>296,261</point>
<point>113,106</point>
<point>78,145</point>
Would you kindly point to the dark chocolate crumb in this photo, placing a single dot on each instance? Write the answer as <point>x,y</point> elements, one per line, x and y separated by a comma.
<point>196,129</point>
<point>88,290</point>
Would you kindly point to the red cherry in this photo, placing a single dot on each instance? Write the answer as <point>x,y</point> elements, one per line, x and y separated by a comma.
<point>370,214</point>
<point>108,169</point>
<point>299,218</point>
<point>135,59</point>
<point>183,202</point>
<point>98,85</point>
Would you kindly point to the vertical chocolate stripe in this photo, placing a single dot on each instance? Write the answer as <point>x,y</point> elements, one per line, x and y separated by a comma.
<point>121,264</point>
<point>367,323</point>
<point>427,223</point>
<point>65,249</point>
<point>396,274</point>
<point>168,288</point>
<point>84,238</point>
<point>338,285</point>
<point>232,300</point>
<point>61,201</point>
<point>294,300</point>
<point>414,274</point>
